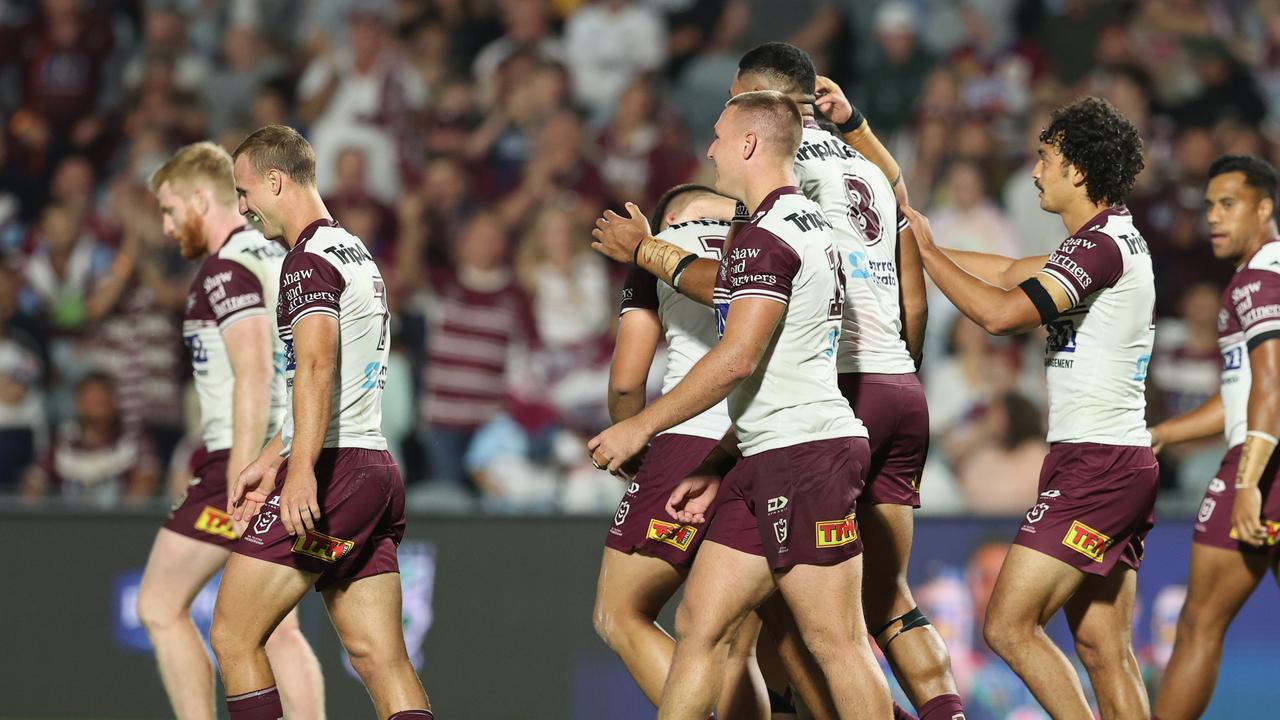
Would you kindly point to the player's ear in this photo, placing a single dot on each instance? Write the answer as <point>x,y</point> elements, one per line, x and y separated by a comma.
<point>1266,210</point>
<point>275,181</point>
<point>749,145</point>
<point>201,200</point>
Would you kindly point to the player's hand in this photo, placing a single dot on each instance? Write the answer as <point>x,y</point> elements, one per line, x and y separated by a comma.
<point>1246,516</point>
<point>1157,442</point>
<point>252,488</point>
<point>831,101</point>
<point>617,237</point>
<point>299,508</point>
<point>920,227</point>
<point>692,498</point>
<point>618,444</point>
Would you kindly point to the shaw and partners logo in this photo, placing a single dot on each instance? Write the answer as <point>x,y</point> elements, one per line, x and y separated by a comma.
<point>834,533</point>
<point>1086,541</point>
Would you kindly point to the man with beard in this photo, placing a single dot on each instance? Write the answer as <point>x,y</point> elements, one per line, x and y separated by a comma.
<point>234,358</point>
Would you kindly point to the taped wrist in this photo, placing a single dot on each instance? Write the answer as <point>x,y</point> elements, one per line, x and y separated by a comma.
<point>1255,455</point>
<point>854,122</point>
<point>1041,298</point>
<point>661,258</point>
<point>684,263</point>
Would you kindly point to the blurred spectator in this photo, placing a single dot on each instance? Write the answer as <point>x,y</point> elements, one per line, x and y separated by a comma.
<point>627,143</point>
<point>559,165</point>
<point>477,316</point>
<point>96,458</point>
<point>1000,471</point>
<point>1185,369</point>
<point>23,430</point>
<point>895,75</point>
<point>430,218</point>
<point>71,278</point>
<point>355,207</point>
<point>968,220</point>
<point>1039,231</point>
<point>607,44</point>
<point>365,95</point>
<point>165,42</point>
<point>527,26</point>
<point>231,91</point>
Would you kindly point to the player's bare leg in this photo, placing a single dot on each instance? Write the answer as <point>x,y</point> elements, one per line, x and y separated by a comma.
<point>368,616</point>
<point>743,694</point>
<point>1100,615</point>
<point>915,651</point>
<point>297,669</point>
<point>826,602</point>
<point>255,595</point>
<point>1220,583</point>
<point>630,592</point>
<point>795,663</point>
<point>724,586</point>
<point>1032,587</point>
<point>176,571</point>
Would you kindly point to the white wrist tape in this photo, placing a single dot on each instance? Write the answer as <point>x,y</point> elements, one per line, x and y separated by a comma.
<point>1263,436</point>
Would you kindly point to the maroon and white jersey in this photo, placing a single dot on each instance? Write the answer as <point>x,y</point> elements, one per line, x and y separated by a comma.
<point>1097,352</point>
<point>786,254</point>
<point>689,326</point>
<point>329,272</point>
<point>858,201</point>
<point>1250,314</point>
<point>237,282</point>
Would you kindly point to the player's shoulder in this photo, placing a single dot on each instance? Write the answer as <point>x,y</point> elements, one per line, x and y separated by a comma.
<point>249,247</point>
<point>790,216</point>
<point>1265,264</point>
<point>692,235</point>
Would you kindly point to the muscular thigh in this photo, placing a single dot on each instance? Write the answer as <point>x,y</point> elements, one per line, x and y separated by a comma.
<point>179,567</point>
<point>724,585</point>
<point>1031,587</point>
<point>635,582</point>
<point>255,595</point>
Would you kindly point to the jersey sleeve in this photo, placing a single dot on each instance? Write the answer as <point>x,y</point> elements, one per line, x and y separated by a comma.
<point>902,220</point>
<point>1255,299</point>
<point>232,290</point>
<point>761,265</point>
<point>639,291</point>
<point>1085,264</point>
<point>309,284</point>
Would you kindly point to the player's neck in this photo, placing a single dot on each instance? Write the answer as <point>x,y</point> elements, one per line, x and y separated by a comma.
<point>219,226</point>
<point>1253,247</point>
<point>1081,212</point>
<point>304,210</point>
<point>760,185</point>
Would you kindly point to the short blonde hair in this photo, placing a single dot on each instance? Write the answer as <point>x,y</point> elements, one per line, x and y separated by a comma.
<point>774,116</point>
<point>282,148</point>
<point>202,161</point>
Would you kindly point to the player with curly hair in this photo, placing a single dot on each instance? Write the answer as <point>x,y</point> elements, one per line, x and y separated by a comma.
<point>1080,545</point>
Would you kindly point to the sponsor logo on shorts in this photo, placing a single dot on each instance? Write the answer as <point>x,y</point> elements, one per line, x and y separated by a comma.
<point>673,534</point>
<point>1273,533</point>
<point>620,517</point>
<point>1206,509</point>
<point>1086,541</point>
<point>1037,512</point>
<point>266,518</point>
<point>1216,486</point>
<point>1051,494</point>
<point>834,533</point>
<point>633,488</point>
<point>177,502</point>
<point>777,504</point>
<point>216,522</point>
<point>325,547</point>
<point>780,531</point>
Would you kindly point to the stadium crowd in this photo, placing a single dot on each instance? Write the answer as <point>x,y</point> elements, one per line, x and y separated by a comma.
<point>471,143</point>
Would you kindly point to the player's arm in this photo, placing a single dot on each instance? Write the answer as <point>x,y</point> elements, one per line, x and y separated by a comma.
<point>856,131</point>
<point>1203,422</point>
<point>638,334</point>
<point>248,343</point>
<point>315,347</point>
<point>998,270</point>
<point>1260,441</point>
<point>1000,311</point>
<point>747,332</point>
<point>912,295</point>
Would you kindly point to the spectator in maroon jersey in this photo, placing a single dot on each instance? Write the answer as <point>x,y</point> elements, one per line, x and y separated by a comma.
<point>96,458</point>
<point>478,317</point>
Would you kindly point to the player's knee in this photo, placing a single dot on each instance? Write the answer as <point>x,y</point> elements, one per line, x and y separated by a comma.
<point>155,614</point>
<point>373,659</point>
<point>694,627</point>
<point>287,637</point>
<point>1004,635</point>
<point>1198,624</point>
<point>226,641</point>
<point>1103,654</point>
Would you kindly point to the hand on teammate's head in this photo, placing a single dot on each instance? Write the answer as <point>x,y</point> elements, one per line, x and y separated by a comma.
<point>617,237</point>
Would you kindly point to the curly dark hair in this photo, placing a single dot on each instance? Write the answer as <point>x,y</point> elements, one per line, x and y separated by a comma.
<point>1097,140</point>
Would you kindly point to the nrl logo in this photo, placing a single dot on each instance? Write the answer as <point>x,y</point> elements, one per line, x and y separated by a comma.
<point>619,517</point>
<point>780,530</point>
<point>1036,513</point>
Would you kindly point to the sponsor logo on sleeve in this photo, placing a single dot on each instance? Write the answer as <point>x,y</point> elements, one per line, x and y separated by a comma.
<point>673,534</point>
<point>1086,541</point>
<point>325,547</point>
<point>215,522</point>
<point>834,533</point>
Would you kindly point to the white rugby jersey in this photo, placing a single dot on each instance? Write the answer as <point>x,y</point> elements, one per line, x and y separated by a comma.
<point>329,271</point>
<point>786,253</point>
<point>858,201</point>
<point>1098,351</point>
<point>689,326</point>
<point>239,281</point>
<point>1250,314</point>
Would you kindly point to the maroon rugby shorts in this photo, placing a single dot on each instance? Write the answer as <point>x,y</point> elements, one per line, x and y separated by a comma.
<point>361,521</point>
<point>641,524</point>
<point>201,513</point>
<point>1096,505</point>
<point>1213,522</point>
<point>894,410</point>
<point>795,505</point>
